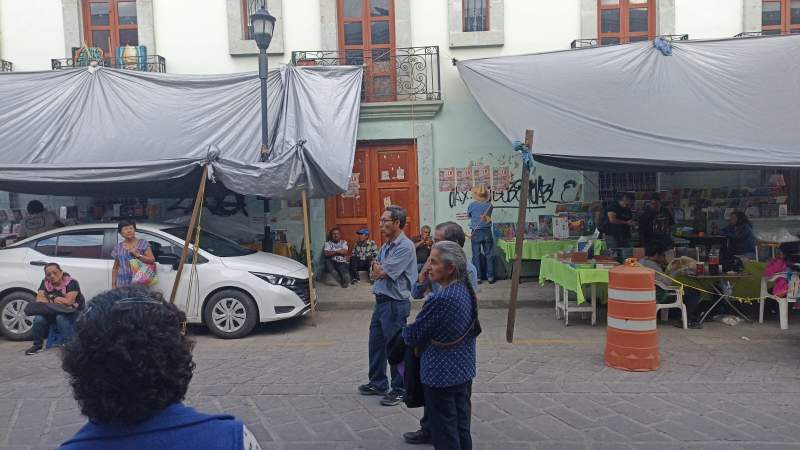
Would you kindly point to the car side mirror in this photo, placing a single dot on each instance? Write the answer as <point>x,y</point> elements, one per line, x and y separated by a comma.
<point>169,260</point>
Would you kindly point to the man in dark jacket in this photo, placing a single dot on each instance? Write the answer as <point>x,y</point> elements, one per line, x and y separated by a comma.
<point>655,224</point>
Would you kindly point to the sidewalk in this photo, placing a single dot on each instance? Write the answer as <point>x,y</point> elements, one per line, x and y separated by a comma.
<point>359,296</point>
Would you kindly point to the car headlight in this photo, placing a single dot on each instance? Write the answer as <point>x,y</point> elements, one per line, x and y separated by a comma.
<point>277,280</point>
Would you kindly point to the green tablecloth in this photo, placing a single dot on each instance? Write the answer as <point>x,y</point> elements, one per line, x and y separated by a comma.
<point>746,287</point>
<point>539,248</point>
<point>569,277</point>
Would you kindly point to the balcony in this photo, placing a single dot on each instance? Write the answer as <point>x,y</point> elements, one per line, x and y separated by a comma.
<point>590,43</point>
<point>6,66</point>
<point>398,82</point>
<point>148,63</point>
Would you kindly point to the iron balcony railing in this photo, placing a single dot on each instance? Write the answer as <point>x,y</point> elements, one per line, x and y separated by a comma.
<point>6,66</point>
<point>148,63</point>
<point>390,75</point>
<point>589,43</point>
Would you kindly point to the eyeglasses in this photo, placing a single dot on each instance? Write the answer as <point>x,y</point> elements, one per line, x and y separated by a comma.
<point>382,221</point>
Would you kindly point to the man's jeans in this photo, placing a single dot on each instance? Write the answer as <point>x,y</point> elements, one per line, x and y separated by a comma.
<point>482,239</point>
<point>388,316</point>
<point>41,327</point>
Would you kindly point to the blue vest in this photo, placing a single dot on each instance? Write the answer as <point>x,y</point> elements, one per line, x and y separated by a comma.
<point>176,427</point>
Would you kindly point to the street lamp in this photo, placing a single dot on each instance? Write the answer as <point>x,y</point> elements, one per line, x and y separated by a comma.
<point>262,24</point>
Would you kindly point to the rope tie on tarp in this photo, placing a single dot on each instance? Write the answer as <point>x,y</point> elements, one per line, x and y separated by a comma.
<point>663,45</point>
<point>525,152</point>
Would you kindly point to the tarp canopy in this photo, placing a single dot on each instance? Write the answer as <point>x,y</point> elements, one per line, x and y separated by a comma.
<point>730,103</point>
<point>120,132</point>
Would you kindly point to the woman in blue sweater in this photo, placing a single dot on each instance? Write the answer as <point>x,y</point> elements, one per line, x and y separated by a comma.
<point>445,331</point>
<point>130,364</point>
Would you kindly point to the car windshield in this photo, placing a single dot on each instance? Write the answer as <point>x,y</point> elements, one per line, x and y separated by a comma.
<point>212,243</point>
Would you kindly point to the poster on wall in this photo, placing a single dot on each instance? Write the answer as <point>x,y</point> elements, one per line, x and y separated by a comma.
<point>447,179</point>
<point>561,227</point>
<point>464,179</point>
<point>353,187</point>
<point>482,176</point>
<point>501,178</point>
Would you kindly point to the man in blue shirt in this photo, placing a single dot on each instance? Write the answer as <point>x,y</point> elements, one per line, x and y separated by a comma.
<point>394,272</point>
<point>480,221</point>
<point>446,231</point>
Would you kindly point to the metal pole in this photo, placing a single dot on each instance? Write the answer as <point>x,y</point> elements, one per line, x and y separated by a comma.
<point>263,69</point>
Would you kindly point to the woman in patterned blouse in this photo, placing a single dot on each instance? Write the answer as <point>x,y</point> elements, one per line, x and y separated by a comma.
<point>445,333</point>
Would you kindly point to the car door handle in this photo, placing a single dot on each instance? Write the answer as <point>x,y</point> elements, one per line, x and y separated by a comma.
<point>38,263</point>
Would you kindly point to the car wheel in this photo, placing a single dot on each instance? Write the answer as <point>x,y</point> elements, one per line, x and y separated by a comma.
<point>14,323</point>
<point>230,314</point>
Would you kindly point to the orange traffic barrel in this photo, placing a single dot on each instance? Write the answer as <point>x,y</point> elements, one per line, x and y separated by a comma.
<point>632,341</point>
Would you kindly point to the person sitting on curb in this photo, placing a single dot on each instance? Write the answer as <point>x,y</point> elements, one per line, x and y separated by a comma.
<point>364,252</point>
<point>335,252</point>
<point>63,293</point>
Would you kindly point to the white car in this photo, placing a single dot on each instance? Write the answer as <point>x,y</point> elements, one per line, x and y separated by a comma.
<point>233,288</point>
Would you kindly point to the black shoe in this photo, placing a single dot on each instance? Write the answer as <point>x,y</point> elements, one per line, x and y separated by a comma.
<point>355,280</point>
<point>480,281</point>
<point>368,389</point>
<point>34,350</point>
<point>417,437</point>
<point>492,281</point>
<point>695,325</point>
<point>393,398</point>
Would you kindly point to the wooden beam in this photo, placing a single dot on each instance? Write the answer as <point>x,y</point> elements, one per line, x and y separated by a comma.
<point>312,292</point>
<point>523,209</point>
<point>198,201</point>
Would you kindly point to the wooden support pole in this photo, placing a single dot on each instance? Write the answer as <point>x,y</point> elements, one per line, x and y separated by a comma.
<point>198,201</point>
<point>523,209</point>
<point>312,292</point>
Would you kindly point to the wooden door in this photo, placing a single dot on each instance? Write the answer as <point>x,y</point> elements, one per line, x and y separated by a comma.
<point>386,172</point>
<point>367,37</point>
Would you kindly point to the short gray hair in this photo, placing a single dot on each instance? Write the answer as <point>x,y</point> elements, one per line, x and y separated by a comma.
<point>398,213</point>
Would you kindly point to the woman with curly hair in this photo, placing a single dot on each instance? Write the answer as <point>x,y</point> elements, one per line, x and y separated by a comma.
<point>129,364</point>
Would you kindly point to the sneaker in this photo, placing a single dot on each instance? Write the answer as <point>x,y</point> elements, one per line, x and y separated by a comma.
<point>418,437</point>
<point>480,281</point>
<point>355,280</point>
<point>368,389</point>
<point>492,281</point>
<point>695,325</point>
<point>34,350</point>
<point>393,398</point>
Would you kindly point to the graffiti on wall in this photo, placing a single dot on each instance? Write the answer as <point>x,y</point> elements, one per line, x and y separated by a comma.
<point>541,193</point>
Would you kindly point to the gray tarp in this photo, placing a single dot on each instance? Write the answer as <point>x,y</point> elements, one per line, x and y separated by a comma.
<point>712,104</point>
<point>74,132</point>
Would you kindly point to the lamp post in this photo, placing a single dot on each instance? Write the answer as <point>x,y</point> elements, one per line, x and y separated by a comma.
<point>262,24</point>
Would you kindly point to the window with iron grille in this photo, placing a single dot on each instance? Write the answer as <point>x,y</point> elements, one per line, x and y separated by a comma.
<point>475,15</point>
<point>613,182</point>
<point>780,16</point>
<point>623,21</point>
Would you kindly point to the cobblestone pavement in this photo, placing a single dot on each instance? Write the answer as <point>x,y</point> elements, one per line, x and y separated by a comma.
<point>294,386</point>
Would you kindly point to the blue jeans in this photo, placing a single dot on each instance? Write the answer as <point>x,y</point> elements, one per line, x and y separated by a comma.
<point>41,326</point>
<point>388,317</point>
<point>482,239</point>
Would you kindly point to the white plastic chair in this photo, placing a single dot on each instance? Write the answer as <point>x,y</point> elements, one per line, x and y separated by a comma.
<point>783,302</point>
<point>678,303</point>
